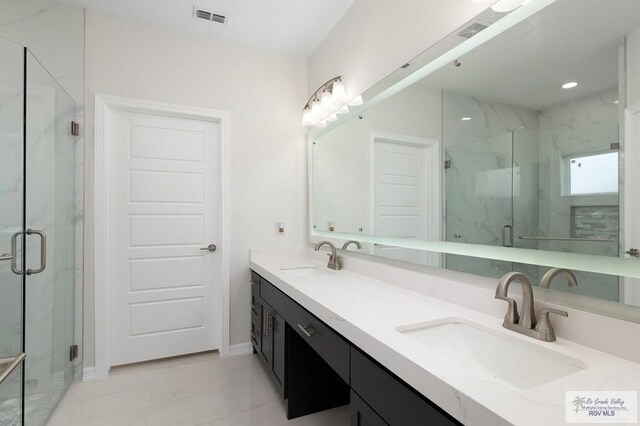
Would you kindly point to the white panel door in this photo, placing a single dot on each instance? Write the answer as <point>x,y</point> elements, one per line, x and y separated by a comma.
<point>402,186</point>
<point>164,210</point>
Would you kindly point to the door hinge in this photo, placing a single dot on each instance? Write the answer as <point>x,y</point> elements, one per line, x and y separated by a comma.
<point>615,145</point>
<point>73,352</point>
<point>75,128</point>
<point>447,164</point>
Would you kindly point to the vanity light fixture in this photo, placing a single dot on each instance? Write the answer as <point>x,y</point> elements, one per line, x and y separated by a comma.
<point>327,102</point>
<point>569,85</point>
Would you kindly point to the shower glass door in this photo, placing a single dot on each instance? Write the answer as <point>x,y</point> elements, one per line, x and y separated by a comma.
<point>49,208</point>
<point>479,188</point>
<point>11,221</point>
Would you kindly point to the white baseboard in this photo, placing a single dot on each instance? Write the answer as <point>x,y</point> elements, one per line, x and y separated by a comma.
<point>241,349</point>
<point>88,374</point>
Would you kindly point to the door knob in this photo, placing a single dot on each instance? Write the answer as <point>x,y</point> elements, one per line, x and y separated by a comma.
<point>633,252</point>
<point>210,247</point>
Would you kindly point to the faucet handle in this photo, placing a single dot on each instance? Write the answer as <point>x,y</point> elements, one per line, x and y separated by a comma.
<point>512,316</point>
<point>544,327</point>
<point>547,311</point>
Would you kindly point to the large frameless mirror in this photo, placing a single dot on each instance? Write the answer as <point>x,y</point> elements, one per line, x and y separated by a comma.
<point>507,146</point>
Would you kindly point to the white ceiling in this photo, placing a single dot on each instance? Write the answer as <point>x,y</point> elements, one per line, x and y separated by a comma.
<point>571,40</point>
<point>287,26</point>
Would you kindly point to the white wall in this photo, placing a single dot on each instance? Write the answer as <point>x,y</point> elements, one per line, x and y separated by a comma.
<point>375,37</point>
<point>262,91</point>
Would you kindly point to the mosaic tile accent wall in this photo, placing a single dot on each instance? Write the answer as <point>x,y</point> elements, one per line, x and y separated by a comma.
<point>601,222</point>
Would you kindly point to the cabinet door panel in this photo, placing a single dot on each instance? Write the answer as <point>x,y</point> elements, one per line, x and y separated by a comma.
<point>266,347</point>
<point>279,352</point>
<point>362,414</point>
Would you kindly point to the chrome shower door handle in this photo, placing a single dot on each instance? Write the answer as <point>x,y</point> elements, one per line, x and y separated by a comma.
<point>14,251</point>
<point>43,251</point>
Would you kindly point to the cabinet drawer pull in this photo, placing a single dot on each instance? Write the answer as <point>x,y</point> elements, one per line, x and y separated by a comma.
<point>308,331</point>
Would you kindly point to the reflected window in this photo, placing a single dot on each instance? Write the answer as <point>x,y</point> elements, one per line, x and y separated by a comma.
<point>590,174</point>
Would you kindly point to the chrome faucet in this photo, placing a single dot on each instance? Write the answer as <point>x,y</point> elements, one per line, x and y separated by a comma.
<point>572,281</point>
<point>345,245</point>
<point>526,324</point>
<point>334,259</point>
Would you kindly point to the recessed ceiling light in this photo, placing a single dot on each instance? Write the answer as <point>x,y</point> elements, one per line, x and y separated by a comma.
<point>569,85</point>
<point>465,118</point>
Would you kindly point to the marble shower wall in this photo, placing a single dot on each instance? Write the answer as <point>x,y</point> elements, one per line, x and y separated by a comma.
<point>490,122</point>
<point>587,125</point>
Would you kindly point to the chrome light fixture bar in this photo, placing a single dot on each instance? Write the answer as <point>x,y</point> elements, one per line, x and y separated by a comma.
<point>327,102</point>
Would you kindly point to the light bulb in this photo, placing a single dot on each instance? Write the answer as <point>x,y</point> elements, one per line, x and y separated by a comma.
<point>357,101</point>
<point>316,110</point>
<point>332,117</point>
<point>343,110</point>
<point>338,95</point>
<point>326,103</point>
<point>307,116</point>
<point>507,5</point>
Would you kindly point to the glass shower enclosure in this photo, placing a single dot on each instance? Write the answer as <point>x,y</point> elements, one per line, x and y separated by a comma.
<point>37,238</point>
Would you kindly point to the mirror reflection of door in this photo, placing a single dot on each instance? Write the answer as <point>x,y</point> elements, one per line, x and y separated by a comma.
<point>405,194</point>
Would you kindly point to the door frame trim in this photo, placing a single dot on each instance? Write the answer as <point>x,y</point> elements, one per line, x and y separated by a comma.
<point>104,106</point>
<point>630,293</point>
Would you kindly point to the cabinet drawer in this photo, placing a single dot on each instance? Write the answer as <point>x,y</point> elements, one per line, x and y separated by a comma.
<point>362,414</point>
<point>274,297</point>
<point>327,343</point>
<point>397,403</point>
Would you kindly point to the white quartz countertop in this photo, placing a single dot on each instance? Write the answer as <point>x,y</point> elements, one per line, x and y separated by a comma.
<point>367,311</point>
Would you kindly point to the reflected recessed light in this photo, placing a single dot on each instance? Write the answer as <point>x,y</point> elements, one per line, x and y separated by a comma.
<point>569,85</point>
<point>617,101</point>
<point>465,118</point>
<point>507,5</point>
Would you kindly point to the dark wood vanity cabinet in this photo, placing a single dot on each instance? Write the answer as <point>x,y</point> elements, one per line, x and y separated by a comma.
<point>315,368</point>
<point>268,333</point>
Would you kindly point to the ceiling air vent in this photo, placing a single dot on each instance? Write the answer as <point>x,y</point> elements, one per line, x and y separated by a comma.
<point>473,29</point>
<point>208,15</point>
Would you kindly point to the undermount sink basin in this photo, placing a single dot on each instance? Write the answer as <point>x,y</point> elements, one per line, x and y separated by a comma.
<point>306,271</point>
<point>492,354</point>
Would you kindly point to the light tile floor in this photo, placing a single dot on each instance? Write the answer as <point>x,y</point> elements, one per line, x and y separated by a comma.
<point>201,389</point>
